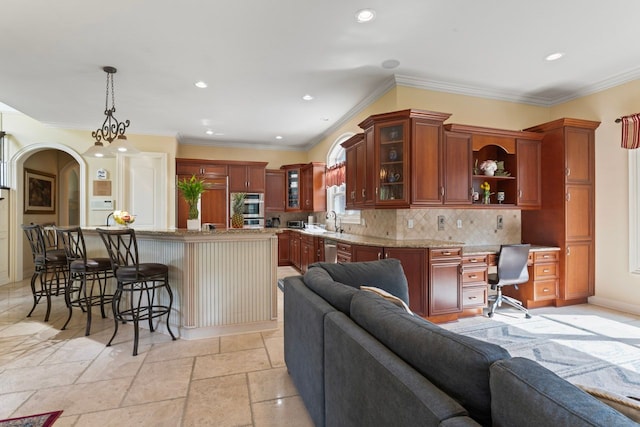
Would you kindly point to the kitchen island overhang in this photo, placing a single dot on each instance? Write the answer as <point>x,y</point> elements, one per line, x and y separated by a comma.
<point>224,281</point>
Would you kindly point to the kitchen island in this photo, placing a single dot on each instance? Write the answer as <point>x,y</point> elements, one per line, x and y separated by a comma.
<point>224,282</point>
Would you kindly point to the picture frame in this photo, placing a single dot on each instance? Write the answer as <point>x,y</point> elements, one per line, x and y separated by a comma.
<point>39,192</point>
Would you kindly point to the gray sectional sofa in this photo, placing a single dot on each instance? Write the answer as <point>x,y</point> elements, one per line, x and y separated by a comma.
<point>358,359</point>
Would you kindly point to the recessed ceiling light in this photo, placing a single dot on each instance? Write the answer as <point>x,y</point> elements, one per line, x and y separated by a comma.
<point>325,119</point>
<point>390,64</point>
<point>201,84</point>
<point>554,56</point>
<point>307,97</point>
<point>209,132</point>
<point>365,15</point>
<point>279,137</point>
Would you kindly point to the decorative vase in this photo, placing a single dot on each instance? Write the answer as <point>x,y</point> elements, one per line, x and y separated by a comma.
<point>486,198</point>
<point>193,224</point>
<point>489,172</point>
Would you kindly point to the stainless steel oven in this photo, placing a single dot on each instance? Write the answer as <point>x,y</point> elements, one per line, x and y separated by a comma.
<point>253,205</point>
<point>253,223</point>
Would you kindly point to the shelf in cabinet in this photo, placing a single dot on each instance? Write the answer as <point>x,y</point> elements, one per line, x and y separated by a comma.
<point>494,177</point>
<point>393,141</point>
<point>392,183</point>
<point>396,162</point>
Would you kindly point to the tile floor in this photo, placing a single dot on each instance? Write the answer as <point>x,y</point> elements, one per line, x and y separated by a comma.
<point>238,380</point>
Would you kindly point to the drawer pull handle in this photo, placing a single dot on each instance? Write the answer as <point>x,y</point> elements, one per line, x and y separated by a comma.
<point>473,260</point>
<point>545,290</point>
<point>472,276</point>
<point>446,253</point>
<point>473,297</point>
<point>546,270</point>
<point>545,256</point>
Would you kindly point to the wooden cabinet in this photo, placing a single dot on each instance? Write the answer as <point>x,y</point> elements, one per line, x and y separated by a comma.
<point>313,192</point>
<point>247,177</point>
<point>200,168</point>
<point>284,248</point>
<point>542,287</point>
<point>294,249</point>
<point>403,144</point>
<point>305,187</point>
<point>344,252</point>
<point>360,186</point>
<point>307,251</point>
<point>456,189</point>
<point>213,202</point>
<point>445,282</point>
<point>274,195</point>
<point>529,192</point>
<point>475,272</point>
<point>567,215</point>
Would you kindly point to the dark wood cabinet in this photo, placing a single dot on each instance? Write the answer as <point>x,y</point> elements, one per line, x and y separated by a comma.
<point>542,287</point>
<point>567,215</point>
<point>313,192</point>
<point>294,249</point>
<point>247,177</point>
<point>284,248</point>
<point>344,252</point>
<point>360,187</point>
<point>528,178</point>
<point>200,168</point>
<point>293,184</point>
<point>475,274</point>
<point>457,169</point>
<point>445,281</point>
<point>274,195</point>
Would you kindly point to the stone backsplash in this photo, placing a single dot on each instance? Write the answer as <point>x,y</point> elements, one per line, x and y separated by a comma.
<point>478,226</point>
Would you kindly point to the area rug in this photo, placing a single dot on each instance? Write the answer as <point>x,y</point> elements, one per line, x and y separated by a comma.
<point>40,420</point>
<point>584,348</point>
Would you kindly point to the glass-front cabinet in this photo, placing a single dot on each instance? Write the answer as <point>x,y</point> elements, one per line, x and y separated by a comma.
<point>293,189</point>
<point>392,158</point>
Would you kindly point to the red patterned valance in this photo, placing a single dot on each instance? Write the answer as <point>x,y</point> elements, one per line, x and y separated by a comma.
<point>335,174</point>
<point>630,131</point>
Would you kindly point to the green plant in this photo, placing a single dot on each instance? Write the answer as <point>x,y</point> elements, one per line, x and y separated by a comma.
<point>191,190</point>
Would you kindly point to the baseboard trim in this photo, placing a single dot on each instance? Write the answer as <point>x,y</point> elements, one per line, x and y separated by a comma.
<point>614,304</point>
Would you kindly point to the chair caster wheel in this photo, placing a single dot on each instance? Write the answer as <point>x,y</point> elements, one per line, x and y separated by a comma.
<point>489,314</point>
<point>528,316</point>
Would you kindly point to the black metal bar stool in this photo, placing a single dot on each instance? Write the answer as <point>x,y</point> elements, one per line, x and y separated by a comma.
<point>51,268</point>
<point>140,283</point>
<point>92,273</point>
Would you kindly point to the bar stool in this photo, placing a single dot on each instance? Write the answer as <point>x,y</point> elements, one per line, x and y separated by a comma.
<point>141,283</point>
<point>83,269</point>
<point>51,268</point>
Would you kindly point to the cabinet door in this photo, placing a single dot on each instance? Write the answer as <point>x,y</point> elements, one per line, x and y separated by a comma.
<point>579,156</point>
<point>445,290</point>
<point>579,212</point>
<point>307,254</point>
<point>313,194</point>
<point>426,179</point>
<point>255,178</point>
<point>579,267</point>
<point>393,171</point>
<point>293,189</point>
<point>294,249</point>
<point>237,178</point>
<point>284,248</point>
<point>275,191</point>
<point>351,175</point>
<point>457,168</point>
<point>213,203</point>
<point>529,190</point>
<point>366,169</point>
<point>360,174</point>
<point>414,264</point>
<point>361,253</point>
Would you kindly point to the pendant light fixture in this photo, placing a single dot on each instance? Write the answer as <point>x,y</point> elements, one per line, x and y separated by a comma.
<point>111,129</point>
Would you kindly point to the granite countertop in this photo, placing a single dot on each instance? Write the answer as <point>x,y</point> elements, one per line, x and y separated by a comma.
<point>183,233</point>
<point>413,243</point>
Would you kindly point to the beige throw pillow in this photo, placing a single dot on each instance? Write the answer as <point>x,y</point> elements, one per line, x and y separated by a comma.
<point>628,406</point>
<point>389,297</point>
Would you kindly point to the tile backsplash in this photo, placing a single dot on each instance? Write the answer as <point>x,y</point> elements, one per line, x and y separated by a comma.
<point>477,226</point>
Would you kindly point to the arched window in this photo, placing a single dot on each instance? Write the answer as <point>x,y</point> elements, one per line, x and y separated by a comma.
<point>336,187</point>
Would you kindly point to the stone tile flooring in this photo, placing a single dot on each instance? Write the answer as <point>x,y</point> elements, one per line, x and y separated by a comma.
<point>238,380</point>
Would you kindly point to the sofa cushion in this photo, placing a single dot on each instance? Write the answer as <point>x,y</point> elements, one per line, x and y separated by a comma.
<point>457,364</point>
<point>366,384</point>
<point>385,274</point>
<point>386,295</point>
<point>337,294</point>
<point>525,393</point>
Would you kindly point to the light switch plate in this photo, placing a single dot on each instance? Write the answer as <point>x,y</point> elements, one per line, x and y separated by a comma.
<point>440,222</point>
<point>499,223</point>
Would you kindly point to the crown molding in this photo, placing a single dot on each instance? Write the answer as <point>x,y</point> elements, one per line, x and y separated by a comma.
<point>608,83</point>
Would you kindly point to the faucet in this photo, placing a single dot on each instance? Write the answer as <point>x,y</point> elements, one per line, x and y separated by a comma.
<point>109,216</point>
<point>334,216</point>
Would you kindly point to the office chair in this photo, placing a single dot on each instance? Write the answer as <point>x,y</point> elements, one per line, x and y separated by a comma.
<point>512,271</point>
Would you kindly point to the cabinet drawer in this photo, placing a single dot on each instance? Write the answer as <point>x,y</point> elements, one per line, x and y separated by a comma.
<point>476,275</point>
<point>445,253</point>
<point>307,239</point>
<point>544,290</point>
<point>471,260</point>
<point>475,296</point>
<point>546,256</point>
<point>343,247</point>
<point>545,271</point>
<point>342,257</point>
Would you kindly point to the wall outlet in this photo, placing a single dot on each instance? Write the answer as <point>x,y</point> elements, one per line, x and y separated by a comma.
<point>410,223</point>
<point>440,222</point>
<point>459,223</point>
<point>499,223</point>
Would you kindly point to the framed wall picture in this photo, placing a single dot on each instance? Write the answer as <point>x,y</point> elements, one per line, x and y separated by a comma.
<point>39,192</point>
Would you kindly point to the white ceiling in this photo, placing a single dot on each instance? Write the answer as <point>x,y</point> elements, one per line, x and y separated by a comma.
<point>260,57</point>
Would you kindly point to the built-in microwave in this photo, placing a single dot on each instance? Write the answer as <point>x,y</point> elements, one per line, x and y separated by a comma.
<point>253,205</point>
<point>253,223</point>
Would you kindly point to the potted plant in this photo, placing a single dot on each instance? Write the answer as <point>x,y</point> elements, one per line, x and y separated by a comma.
<point>191,190</point>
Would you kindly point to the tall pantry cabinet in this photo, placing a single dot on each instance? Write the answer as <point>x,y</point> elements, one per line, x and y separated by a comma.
<point>566,218</point>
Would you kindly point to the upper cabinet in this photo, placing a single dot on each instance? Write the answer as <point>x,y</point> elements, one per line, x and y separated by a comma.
<point>247,177</point>
<point>200,168</point>
<point>360,185</point>
<point>274,196</point>
<point>305,187</point>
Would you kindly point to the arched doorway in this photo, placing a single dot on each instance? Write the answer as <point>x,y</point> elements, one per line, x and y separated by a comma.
<point>73,175</point>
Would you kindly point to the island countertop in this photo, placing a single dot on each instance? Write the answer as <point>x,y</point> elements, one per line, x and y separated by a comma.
<point>182,234</point>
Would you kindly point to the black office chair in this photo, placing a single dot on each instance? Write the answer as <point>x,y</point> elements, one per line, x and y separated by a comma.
<point>140,282</point>
<point>50,267</point>
<point>86,270</point>
<point>512,271</point>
